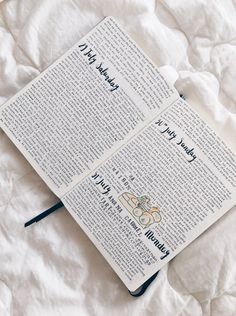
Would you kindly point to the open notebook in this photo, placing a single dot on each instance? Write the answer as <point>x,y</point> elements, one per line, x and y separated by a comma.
<point>138,168</point>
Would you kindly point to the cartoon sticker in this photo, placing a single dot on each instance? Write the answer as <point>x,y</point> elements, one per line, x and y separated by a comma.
<point>141,209</point>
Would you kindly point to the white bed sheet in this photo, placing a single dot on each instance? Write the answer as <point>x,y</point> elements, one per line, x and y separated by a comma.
<point>52,268</point>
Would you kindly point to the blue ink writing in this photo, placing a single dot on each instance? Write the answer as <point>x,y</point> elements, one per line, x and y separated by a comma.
<point>171,134</point>
<point>188,151</point>
<point>150,235</point>
<point>103,70</point>
<point>88,52</point>
<point>100,182</point>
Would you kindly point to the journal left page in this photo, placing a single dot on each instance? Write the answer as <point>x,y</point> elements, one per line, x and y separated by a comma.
<point>85,106</point>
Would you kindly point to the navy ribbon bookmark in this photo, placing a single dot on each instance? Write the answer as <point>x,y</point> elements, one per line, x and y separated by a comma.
<point>44,214</point>
<point>142,289</point>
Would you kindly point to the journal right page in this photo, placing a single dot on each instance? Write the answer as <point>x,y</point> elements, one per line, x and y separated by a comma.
<point>156,194</point>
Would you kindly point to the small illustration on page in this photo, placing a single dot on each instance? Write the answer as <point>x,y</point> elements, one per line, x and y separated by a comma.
<point>140,208</point>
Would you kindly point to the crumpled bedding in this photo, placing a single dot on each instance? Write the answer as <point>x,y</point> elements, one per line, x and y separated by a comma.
<point>52,268</point>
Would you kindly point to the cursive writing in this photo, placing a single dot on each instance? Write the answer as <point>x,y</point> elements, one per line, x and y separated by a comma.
<point>102,70</point>
<point>171,134</point>
<point>100,182</point>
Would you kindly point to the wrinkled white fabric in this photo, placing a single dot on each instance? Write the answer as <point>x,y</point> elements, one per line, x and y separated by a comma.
<point>52,268</point>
